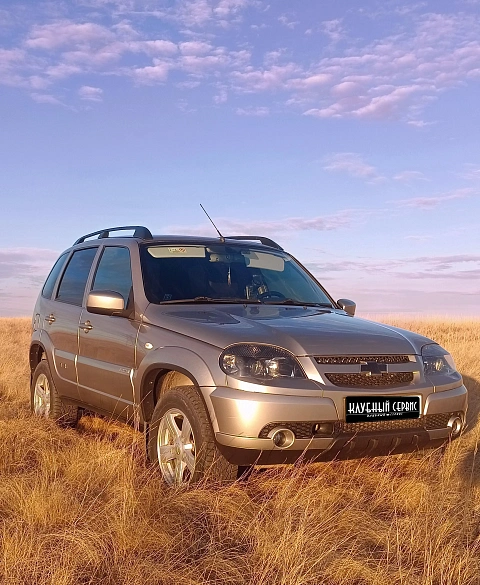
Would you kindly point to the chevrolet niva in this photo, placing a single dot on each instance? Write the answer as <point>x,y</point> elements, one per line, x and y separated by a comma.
<point>228,353</point>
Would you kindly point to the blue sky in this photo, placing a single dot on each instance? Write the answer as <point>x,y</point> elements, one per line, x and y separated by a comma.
<point>348,131</point>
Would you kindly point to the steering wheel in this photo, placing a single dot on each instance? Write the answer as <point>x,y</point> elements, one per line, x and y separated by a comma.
<point>270,294</point>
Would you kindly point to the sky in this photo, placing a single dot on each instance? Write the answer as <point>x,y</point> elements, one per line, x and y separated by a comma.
<point>346,130</point>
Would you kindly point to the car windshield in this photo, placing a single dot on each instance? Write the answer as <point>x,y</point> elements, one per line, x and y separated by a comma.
<point>226,273</point>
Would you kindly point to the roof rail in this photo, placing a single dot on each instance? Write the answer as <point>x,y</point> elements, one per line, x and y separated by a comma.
<point>140,232</point>
<point>261,239</point>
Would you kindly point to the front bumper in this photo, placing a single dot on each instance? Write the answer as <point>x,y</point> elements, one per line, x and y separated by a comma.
<point>240,417</point>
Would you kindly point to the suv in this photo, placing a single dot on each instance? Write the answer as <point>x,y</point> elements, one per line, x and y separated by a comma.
<point>228,353</point>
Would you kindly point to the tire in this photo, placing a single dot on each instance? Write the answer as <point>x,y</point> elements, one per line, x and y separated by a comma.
<point>181,442</point>
<point>45,401</point>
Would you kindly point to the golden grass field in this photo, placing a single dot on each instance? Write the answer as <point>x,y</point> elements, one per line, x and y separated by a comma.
<point>81,507</point>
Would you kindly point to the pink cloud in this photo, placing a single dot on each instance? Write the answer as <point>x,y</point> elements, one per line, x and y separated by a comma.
<point>92,94</point>
<point>52,36</point>
<point>258,111</point>
<point>428,203</point>
<point>352,164</point>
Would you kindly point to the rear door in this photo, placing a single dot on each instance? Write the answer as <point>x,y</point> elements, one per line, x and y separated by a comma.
<point>61,317</point>
<point>106,356</point>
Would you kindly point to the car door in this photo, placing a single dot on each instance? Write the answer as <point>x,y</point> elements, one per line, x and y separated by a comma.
<point>106,355</point>
<point>61,316</point>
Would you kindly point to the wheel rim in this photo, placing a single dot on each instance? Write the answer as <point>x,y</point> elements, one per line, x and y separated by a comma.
<point>41,396</point>
<point>176,447</point>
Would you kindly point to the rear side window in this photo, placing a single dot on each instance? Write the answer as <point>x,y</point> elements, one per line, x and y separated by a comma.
<point>74,279</point>
<point>114,272</point>
<point>49,285</point>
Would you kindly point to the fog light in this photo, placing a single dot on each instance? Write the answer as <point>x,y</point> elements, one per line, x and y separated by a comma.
<point>283,438</point>
<point>323,428</point>
<point>455,424</point>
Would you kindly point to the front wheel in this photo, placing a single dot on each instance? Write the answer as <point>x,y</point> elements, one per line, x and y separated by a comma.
<point>181,440</point>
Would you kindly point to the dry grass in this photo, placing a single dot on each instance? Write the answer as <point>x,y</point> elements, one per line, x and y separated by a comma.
<point>80,506</point>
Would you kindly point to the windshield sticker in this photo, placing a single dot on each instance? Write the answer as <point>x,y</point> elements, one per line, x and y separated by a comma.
<point>176,251</point>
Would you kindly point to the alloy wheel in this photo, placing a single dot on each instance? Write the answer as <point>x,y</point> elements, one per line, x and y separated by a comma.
<point>41,396</point>
<point>176,447</point>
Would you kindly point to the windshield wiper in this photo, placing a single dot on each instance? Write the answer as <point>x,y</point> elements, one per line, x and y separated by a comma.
<point>297,303</point>
<point>200,300</point>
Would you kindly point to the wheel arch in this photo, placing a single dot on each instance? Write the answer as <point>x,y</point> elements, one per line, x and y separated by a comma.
<point>157,379</point>
<point>37,351</point>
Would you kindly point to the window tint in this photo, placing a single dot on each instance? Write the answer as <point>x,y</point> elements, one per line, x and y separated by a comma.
<point>114,272</point>
<point>72,285</point>
<point>52,277</point>
<point>176,273</point>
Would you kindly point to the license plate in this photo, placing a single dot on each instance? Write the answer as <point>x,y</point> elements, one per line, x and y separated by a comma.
<point>371,408</point>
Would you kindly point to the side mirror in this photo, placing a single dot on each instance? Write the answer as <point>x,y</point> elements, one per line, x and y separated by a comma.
<point>105,302</point>
<point>347,305</point>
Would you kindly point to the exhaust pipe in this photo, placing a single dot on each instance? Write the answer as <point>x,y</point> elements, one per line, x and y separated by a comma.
<point>455,424</point>
<point>282,438</point>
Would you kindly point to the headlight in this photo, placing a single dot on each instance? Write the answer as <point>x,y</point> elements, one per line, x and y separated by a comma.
<point>437,360</point>
<point>249,360</point>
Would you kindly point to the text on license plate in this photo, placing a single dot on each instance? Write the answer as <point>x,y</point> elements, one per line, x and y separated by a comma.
<point>366,408</point>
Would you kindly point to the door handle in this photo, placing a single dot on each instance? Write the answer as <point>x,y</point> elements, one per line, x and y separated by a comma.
<point>50,319</point>
<point>87,326</point>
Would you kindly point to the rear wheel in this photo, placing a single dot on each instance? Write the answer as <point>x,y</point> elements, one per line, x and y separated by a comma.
<point>45,400</point>
<point>181,440</point>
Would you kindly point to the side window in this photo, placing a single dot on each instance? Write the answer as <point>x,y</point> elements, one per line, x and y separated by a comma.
<point>114,272</point>
<point>49,285</point>
<point>74,279</point>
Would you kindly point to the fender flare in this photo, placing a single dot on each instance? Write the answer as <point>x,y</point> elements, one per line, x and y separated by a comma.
<point>169,358</point>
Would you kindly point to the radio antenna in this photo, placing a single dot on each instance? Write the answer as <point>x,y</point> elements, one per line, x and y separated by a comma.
<point>222,239</point>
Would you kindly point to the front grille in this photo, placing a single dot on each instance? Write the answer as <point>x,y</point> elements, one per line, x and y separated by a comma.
<point>375,426</point>
<point>348,360</point>
<point>362,381</point>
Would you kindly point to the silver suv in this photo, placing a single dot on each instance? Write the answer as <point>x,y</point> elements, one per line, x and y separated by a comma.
<point>228,353</point>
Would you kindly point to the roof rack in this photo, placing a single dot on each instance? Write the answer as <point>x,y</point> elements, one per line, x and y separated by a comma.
<point>261,239</point>
<point>140,232</point>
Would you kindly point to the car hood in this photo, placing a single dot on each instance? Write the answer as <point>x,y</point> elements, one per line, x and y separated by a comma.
<point>303,331</point>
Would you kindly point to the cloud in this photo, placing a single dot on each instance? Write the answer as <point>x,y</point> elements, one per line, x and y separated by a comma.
<point>45,98</point>
<point>333,29</point>
<point>253,111</point>
<point>419,238</point>
<point>92,94</point>
<point>420,267</point>
<point>288,21</point>
<point>433,202</point>
<point>26,263</point>
<point>195,48</point>
<point>352,164</point>
<point>252,80</point>
<point>340,220</point>
<point>409,176</point>
<point>66,33</point>
<point>387,104</point>
<point>471,172</point>
<point>394,77</point>
<point>151,75</point>
<point>153,47</point>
